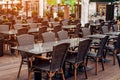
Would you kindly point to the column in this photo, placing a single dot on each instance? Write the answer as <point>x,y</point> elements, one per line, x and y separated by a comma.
<point>84,11</point>
<point>41,4</point>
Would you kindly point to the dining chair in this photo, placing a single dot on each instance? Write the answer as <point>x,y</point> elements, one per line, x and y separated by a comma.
<point>5,28</point>
<point>44,23</point>
<point>22,31</point>
<point>62,34</point>
<point>114,48</point>
<point>105,29</point>
<point>99,55</point>
<point>13,41</point>
<point>87,25</point>
<point>78,30</point>
<point>56,29</point>
<point>115,27</point>
<point>24,39</point>
<point>79,58</point>
<point>48,36</point>
<point>41,30</point>
<point>53,66</point>
<point>86,31</point>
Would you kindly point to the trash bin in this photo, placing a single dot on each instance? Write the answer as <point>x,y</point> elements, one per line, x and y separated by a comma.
<point>1,46</point>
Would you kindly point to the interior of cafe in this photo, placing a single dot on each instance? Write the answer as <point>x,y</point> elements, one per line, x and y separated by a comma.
<point>59,39</point>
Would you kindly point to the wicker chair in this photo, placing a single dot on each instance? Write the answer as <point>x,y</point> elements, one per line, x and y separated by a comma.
<point>24,39</point>
<point>98,55</point>
<point>48,36</point>
<point>79,58</point>
<point>53,66</point>
<point>62,34</point>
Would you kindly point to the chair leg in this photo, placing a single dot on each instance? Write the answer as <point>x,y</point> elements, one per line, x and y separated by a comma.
<point>75,71</point>
<point>29,75</point>
<point>20,69</point>
<point>63,77</point>
<point>86,60</point>
<point>96,66</point>
<point>85,72</point>
<point>50,74</point>
<point>102,62</point>
<point>114,57</point>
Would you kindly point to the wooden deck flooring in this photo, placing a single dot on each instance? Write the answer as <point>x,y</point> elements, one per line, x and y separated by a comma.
<point>9,67</point>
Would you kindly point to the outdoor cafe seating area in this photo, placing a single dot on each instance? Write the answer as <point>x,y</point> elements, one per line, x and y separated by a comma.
<point>56,50</point>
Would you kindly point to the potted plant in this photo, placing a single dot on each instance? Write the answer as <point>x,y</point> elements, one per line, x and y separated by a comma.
<point>60,14</point>
<point>34,13</point>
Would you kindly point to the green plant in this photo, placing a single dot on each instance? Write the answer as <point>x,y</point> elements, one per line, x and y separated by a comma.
<point>34,13</point>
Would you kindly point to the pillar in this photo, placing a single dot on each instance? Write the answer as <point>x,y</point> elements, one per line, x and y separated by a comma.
<point>84,11</point>
<point>41,7</point>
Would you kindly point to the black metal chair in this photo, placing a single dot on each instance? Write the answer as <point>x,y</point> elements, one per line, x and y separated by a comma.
<point>79,57</point>
<point>99,54</point>
<point>54,65</point>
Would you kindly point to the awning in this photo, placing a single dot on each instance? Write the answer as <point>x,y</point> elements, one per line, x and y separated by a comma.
<point>103,0</point>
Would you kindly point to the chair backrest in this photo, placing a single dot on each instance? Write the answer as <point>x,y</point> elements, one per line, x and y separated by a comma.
<point>44,23</point>
<point>78,30</point>
<point>87,25</point>
<point>105,29</point>
<point>4,27</point>
<point>42,30</point>
<point>102,44</point>
<point>57,28</point>
<point>58,56</point>
<point>86,31</point>
<point>117,43</point>
<point>25,39</point>
<point>62,34</point>
<point>91,21</point>
<point>97,21</point>
<point>22,31</point>
<point>83,50</point>
<point>115,27</point>
<point>48,36</point>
